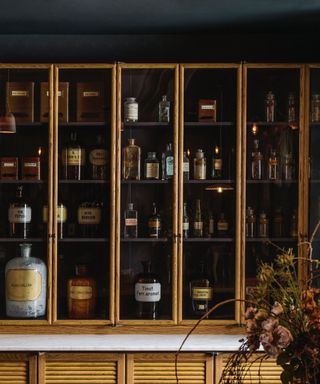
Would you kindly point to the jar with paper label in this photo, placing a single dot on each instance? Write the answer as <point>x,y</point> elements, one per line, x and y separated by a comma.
<point>130,222</point>
<point>147,292</point>
<point>164,110</point>
<point>81,294</point>
<point>199,166</point>
<point>26,285</point>
<point>131,155</point>
<point>19,216</point>
<point>151,166</point>
<point>155,223</point>
<point>201,291</point>
<point>98,160</point>
<point>131,110</point>
<point>62,216</point>
<point>216,170</point>
<point>89,219</point>
<point>73,159</point>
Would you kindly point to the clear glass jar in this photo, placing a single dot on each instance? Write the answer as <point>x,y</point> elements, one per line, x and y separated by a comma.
<point>288,167</point>
<point>131,110</point>
<point>164,110</point>
<point>256,162</point>
<point>270,107</point>
<point>263,228</point>
<point>273,166</point>
<point>199,166</point>
<point>250,223</point>
<point>131,158</point>
<point>291,108</point>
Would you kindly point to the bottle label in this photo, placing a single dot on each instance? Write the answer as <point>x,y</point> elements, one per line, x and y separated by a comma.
<point>130,222</point>
<point>61,214</point>
<point>185,226</point>
<point>19,214</point>
<point>198,225</point>
<point>91,94</point>
<point>169,165</point>
<point>148,293</point>
<point>78,292</point>
<point>222,226</point>
<point>23,284</point>
<point>30,165</point>
<point>20,93</point>
<point>202,293</point>
<point>74,156</point>
<point>217,164</point>
<point>154,223</point>
<point>8,165</point>
<point>89,216</point>
<point>152,170</point>
<point>186,167</point>
<point>211,226</point>
<point>98,157</point>
<point>199,172</point>
<point>131,111</point>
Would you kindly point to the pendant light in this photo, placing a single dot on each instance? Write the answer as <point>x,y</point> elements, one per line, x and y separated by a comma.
<point>8,121</point>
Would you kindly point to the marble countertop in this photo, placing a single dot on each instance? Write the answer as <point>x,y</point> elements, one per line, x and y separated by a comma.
<point>138,343</point>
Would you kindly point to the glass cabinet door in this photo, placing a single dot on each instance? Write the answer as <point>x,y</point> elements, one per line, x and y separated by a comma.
<point>209,212</point>
<point>272,120</point>
<point>25,187</point>
<point>83,208</point>
<point>147,173</point>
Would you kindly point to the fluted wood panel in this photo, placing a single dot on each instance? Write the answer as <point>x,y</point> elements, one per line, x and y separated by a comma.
<point>14,372</point>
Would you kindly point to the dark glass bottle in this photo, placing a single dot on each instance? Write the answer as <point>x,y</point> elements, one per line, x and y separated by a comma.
<point>151,166</point>
<point>216,170</point>
<point>201,291</point>
<point>155,223</point>
<point>89,219</point>
<point>222,226</point>
<point>130,222</point>
<point>98,160</point>
<point>169,163</point>
<point>185,224</point>
<point>73,159</point>
<point>198,221</point>
<point>147,293</point>
<point>19,216</point>
<point>186,167</point>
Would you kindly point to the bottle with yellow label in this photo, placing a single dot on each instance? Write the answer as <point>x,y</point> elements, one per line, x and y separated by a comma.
<point>73,159</point>
<point>82,294</point>
<point>26,285</point>
<point>201,291</point>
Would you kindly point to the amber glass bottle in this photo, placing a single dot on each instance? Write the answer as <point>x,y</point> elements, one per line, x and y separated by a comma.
<point>82,294</point>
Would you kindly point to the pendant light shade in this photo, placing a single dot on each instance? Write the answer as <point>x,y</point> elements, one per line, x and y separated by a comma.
<point>8,123</point>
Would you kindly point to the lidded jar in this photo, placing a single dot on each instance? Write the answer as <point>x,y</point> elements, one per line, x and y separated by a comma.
<point>26,285</point>
<point>130,110</point>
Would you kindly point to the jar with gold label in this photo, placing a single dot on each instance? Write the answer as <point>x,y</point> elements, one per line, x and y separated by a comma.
<point>201,291</point>
<point>26,285</point>
<point>89,219</point>
<point>82,293</point>
<point>98,160</point>
<point>73,159</point>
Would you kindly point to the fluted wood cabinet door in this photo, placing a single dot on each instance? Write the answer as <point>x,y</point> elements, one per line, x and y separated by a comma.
<point>81,368</point>
<point>266,372</point>
<point>18,368</point>
<point>155,368</point>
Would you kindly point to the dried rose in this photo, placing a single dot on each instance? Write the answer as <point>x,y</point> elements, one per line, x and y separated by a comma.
<point>251,326</point>
<point>249,314</point>
<point>271,349</point>
<point>283,336</point>
<point>269,324</point>
<point>277,309</point>
<point>266,338</point>
<point>266,272</point>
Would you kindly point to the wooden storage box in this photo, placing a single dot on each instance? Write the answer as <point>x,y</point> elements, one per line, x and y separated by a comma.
<point>63,102</point>
<point>20,101</point>
<point>31,168</point>
<point>9,168</point>
<point>90,102</point>
<point>207,110</point>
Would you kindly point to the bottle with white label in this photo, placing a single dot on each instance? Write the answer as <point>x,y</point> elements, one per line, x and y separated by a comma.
<point>185,223</point>
<point>89,219</point>
<point>81,293</point>
<point>201,291</point>
<point>26,285</point>
<point>130,222</point>
<point>73,159</point>
<point>199,166</point>
<point>98,160</point>
<point>147,293</point>
<point>131,111</point>
<point>19,216</point>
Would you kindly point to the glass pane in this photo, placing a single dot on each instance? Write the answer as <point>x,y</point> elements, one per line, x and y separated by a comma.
<point>83,215</point>
<point>272,165</point>
<point>147,175</point>
<point>23,192</point>
<point>209,191</point>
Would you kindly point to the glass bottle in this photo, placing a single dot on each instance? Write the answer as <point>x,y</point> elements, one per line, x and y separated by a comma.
<point>185,222</point>
<point>250,223</point>
<point>164,110</point>
<point>151,166</point>
<point>277,224</point>
<point>26,285</point>
<point>147,293</point>
<point>73,159</point>
<point>131,156</point>
<point>273,166</point>
<point>98,160</point>
<point>216,170</point>
<point>130,222</point>
<point>154,223</point>
<point>81,294</point>
<point>294,224</point>
<point>62,216</point>
<point>199,166</point>
<point>186,167</point>
<point>315,108</point>
<point>198,221</point>
<point>210,225</point>
<point>222,225</point>
<point>19,216</point>
<point>169,163</point>
<point>256,162</point>
<point>288,167</point>
<point>263,228</point>
<point>89,219</point>
<point>270,107</point>
<point>291,108</point>
<point>131,110</point>
<point>201,291</point>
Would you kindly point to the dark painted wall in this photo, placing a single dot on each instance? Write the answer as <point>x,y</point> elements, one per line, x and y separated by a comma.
<point>297,47</point>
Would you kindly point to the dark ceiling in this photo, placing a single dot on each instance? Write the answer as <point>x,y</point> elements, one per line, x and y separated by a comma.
<point>156,16</point>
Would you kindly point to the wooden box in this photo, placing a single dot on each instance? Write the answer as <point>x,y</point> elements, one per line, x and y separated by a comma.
<point>31,168</point>
<point>207,110</point>
<point>20,101</point>
<point>9,168</point>
<point>90,102</point>
<point>63,102</point>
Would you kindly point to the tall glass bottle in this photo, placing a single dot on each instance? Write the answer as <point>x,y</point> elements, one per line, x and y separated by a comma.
<point>89,219</point>
<point>277,223</point>
<point>130,222</point>
<point>81,294</point>
<point>131,158</point>
<point>210,225</point>
<point>270,105</point>
<point>199,166</point>
<point>185,223</point>
<point>151,166</point>
<point>186,167</point>
<point>263,227</point>
<point>155,223</point>
<point>26,285</point>
<point>62,216</point>
<point>291,108</point>
<point>273,166</point>
<point>250,223</point>
<point>98,160</point>
<point>164,110</point>
<point>198,221</point>
<point>201,291</point>
<point>147,293</point>
<point>222,226</point>
<point>19,216</point>
<point>73,159</point>
<point>256,161</point>
<point>216,169</point>
<point>169,163</point>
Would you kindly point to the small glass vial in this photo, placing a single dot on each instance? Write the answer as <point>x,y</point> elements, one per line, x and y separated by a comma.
<point>222,225</point>
<point>164,110</point>
<point>26,285</point>
<point>131,110</point>
<point>291,108</point>
<point>151,166</point>
<point>256,162</point>
<point>98,160</point>
<point>263,228</point>
<point>199,166</point>
<point>250,223</point>
<point>130,222</point>
<point>294,224</point>
<point>277,225</point>
<point>185,223</point>
<point>186,167</point>
<point>19,216</point>
<point>81,294</point>
<point>216,170</point>
<point>131,159</point>
<point>273,166</point>
<point>315,108</point>
<point>155,223</point>
<point>270,107</point>
<point>288,167</point>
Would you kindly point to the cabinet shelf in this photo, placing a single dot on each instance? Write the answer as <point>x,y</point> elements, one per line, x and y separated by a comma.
<point>267,181</point>
<point>36,124</point>
<point>271,240</point>
<point>61,181</point>
<point>270,124</point>
<point>145,240</point>
<point>145,124</point>
<point>84,240</point>
<point>209,240</point>
<point>20,239</point>
<point>207,181</point>
<point>75,124</point>
<point>208,124</point>
<point>23,181</point>
<point>145,182</point>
